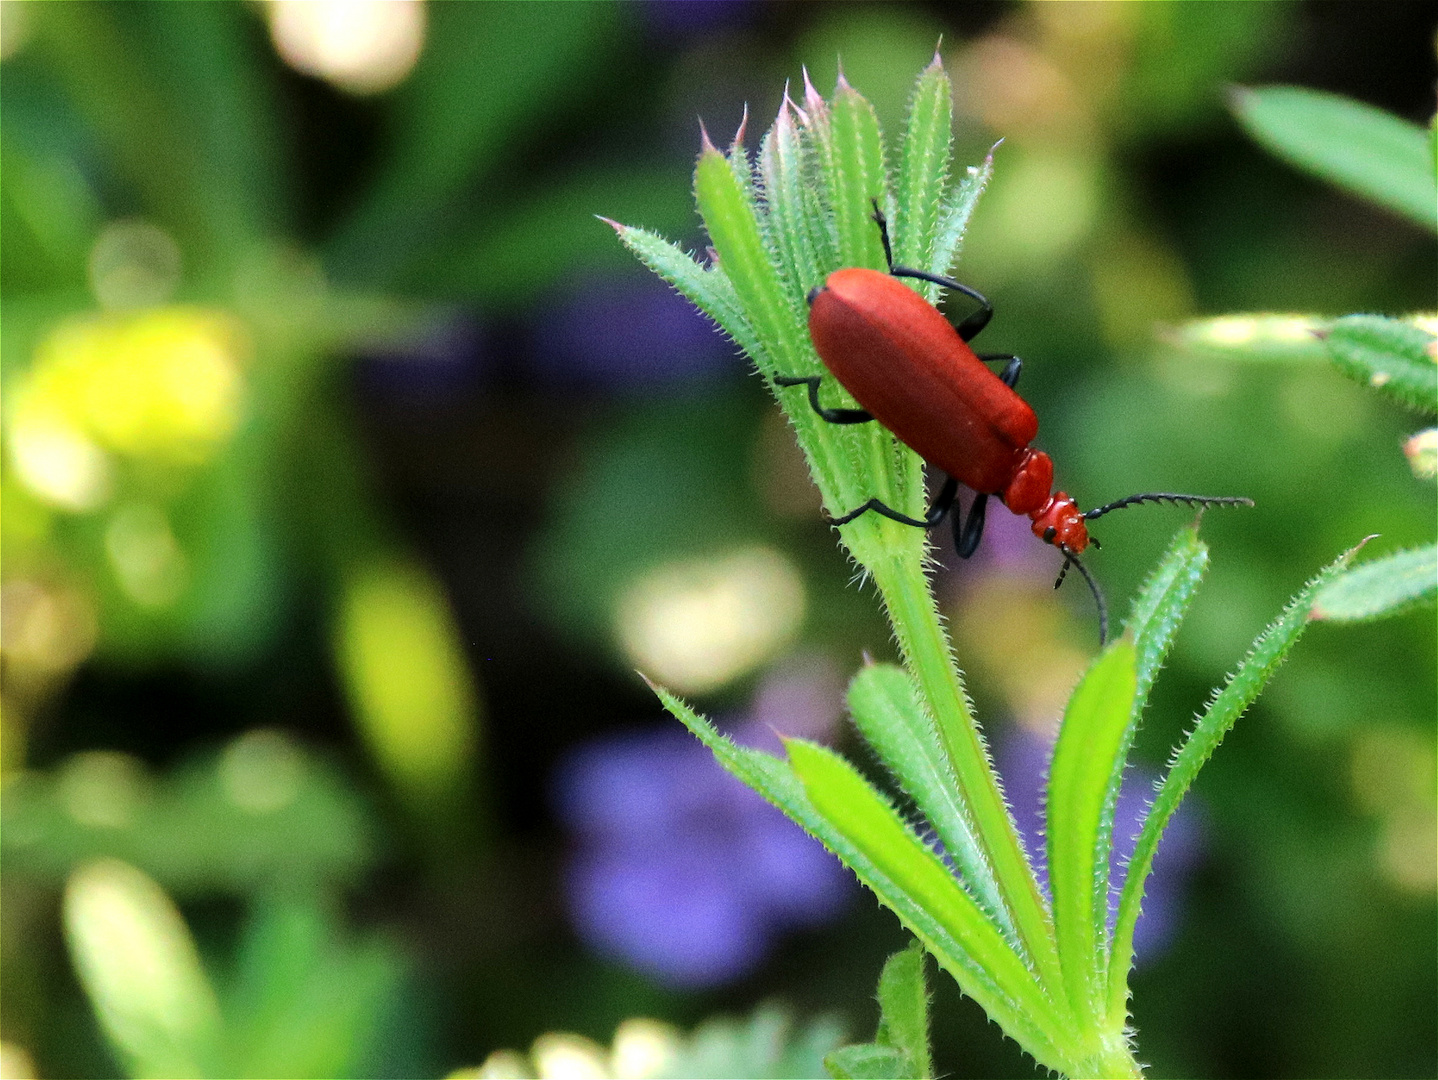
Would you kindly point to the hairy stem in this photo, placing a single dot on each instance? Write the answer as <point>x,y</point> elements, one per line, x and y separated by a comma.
<point>914,616</point>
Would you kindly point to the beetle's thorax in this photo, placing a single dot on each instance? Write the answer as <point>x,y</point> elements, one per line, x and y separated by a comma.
<point>1056,518</point>
<point>1059,522</point>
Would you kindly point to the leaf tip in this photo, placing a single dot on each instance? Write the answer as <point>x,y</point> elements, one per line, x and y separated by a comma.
<point>812,98</point>
<point>738,143</point>
<point>706,144</point>
<point>1347,556</point>
<point>785,119</point>
<point>616,226</point>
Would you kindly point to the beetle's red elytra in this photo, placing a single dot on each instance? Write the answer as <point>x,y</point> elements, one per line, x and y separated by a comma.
<point>906,364</point>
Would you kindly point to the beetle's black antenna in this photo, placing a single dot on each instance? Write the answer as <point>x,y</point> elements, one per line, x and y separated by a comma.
<point>1070,559</point>
<point>1169,496</point>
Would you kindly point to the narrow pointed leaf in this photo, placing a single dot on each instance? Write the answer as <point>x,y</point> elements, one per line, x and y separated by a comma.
<point>1153,622</point>
<point>708,289</point>
<point>906,877</point>
<point>1383,587</point>
<point>1371,153</point>
<point>1161,604</point>
<point>816,138</point>
<point>1390,355</point>
<point>856,177</point>
<point>924,168</point>
<point>781,163</point>
<point>1244,685</point>
<point>740,162</point>
<point>729,216</point>
<point>889,713</point>
<point>1086,758</point>
<point>1264,337</point>
<point>904,1010</point>
<point>957,211</point>
<point>991,972</point>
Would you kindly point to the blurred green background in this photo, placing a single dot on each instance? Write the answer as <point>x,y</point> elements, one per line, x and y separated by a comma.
<point>351,467</point>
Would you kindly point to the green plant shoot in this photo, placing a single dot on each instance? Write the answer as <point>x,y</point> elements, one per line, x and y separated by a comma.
<point>1048,971</point>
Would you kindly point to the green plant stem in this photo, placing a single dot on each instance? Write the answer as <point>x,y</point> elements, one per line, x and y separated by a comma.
<point>914,616</point>
<point>1114,1061</point>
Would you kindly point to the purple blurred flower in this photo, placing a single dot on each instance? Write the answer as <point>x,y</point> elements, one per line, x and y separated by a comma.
<point>1023,762</point>
<point>679,19</point>
<point>679,869</point>
<point>630,333</point>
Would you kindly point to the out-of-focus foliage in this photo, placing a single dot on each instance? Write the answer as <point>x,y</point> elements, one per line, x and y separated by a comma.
<point>259,815</point>
<point>1366,150</point>
<point>1392,163</point>
<point>301,1001</point>
<point>901,1045</point>
<point>414,349</point>
<point>766,1044</point>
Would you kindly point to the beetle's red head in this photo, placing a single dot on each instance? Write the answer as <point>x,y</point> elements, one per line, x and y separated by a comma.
<point>1059,522</point>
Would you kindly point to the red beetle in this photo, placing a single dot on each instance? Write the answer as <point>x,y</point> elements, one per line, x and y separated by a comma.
<point>913,371</point>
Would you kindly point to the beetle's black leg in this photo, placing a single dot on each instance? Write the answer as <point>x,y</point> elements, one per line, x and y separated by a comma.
<point>1010,374</point>
<point>883,224</point>
<point>967,537</point>
<point>833,416</point>
<point>969,328</point>
<point>941,505</point>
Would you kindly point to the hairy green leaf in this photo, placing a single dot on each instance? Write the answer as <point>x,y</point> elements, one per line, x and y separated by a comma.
<point>781,164</point>
<point>1371,153</point>
<point>990,972</point>
<point>1243,686</point>
<point>1087,758</point>
<point>707,288</point>
<point>954,221</point>
<point>923,168</point>
<point>857,176</point>
<point>729,216</point>
<point>890,714</point>
<point>1153,622</point>
<point>1383,587</point>
<point>1162,603</point>
<point>824,794</point>
<point>1391,355</point>
<point>868,1061</point>
<point>904,1010</point>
